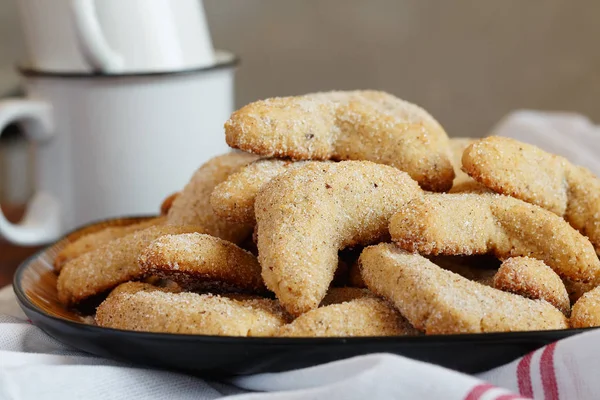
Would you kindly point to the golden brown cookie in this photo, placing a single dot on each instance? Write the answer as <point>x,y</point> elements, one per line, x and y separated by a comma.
<point>528,173</point>
<point>438,301</point>
<point>586,312</point>
<point>192,206</point>
<point>234,198</point>
<point>155,310</point>
<point>89,242</point>
<point>356,125</point>
<point>533,279</point>
<point>109,265</point>
<point>465,224</point>
<point>307,214</point>
<point>199,261</point>
<point>367,316</point>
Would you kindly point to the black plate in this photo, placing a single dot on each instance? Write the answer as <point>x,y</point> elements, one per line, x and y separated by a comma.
<point>34,285</point>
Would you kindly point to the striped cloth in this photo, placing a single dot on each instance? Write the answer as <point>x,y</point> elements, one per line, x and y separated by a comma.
<point>35,366</point>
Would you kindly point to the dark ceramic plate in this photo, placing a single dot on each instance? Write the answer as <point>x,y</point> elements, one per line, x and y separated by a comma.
<point>35,286</point>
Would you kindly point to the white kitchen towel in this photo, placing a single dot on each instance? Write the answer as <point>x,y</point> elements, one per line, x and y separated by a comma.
<point>35,366</point>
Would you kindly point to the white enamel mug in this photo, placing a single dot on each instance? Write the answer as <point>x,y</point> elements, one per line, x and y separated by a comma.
<point>116,36</point>
<point>109,146</point>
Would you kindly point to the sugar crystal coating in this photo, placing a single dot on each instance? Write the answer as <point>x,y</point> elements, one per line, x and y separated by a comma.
<point>192,206</point>
<point>465,224</point>
<point>528,173</point>
<point>438,301</point>
<point>354,125</point>
<point>307,214</point>
<point>150,309</point>
<point>195,260</point>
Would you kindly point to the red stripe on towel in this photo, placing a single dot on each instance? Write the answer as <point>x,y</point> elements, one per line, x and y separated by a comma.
<point>548,373</point>
<point>524,376</point>
<point>478,391</point>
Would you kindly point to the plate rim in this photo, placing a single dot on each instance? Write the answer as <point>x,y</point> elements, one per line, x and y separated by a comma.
<point>25,302</point>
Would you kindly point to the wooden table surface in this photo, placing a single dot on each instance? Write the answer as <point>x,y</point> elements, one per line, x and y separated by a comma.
<point>10,255</point>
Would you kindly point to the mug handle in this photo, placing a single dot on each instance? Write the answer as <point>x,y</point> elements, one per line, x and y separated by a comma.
<point>41,223</point>
<point>94,45</point>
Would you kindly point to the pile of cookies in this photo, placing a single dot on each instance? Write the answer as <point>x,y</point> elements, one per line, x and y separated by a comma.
<point>353,214</point>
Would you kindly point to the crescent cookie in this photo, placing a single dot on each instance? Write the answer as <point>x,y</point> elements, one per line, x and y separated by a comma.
<point>465,224</point>
<point>109,265</point>
<point>195,261</point>
<point>141,308</point>
<point>355,125</point>
<point>528,173</point>
<point>586,311</point>
<point>309,213</point>
<point>192,206</point>
<point>234,198</point>
<point>89,242</point>
<point>366,316</point>
<point>438,301</point>
<point>533,279</point>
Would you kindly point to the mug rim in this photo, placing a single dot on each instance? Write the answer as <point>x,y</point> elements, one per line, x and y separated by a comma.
<point>228,60</point>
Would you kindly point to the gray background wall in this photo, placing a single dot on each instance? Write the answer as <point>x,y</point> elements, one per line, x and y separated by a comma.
<point>468,62</point>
